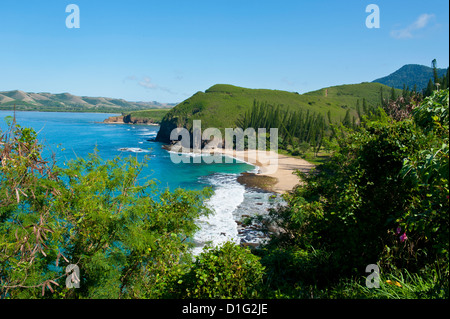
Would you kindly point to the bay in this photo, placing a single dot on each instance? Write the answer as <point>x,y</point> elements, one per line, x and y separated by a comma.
<point>71,135</point>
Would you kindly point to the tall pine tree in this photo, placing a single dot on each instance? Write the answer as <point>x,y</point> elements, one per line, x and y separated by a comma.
<point>435,73</point>
<point>393,97</point>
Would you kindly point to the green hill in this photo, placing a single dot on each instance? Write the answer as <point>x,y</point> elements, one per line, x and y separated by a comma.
<point>222,105</point>
<point>410,75</point>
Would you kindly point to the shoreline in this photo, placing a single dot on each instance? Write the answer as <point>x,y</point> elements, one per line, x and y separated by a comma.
<point>123,123</point>
<point>126,119</point>
<point>273,165</point>
<point>275,171</point>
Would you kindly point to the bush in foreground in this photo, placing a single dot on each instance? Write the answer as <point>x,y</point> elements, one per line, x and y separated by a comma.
<point>382,198</point>
<point>127,240</point>
<point>227,271</point>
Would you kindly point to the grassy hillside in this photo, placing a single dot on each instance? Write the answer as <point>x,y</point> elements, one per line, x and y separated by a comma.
<point>222,105</point>
<point>348,95</point>
<point>66,102</point>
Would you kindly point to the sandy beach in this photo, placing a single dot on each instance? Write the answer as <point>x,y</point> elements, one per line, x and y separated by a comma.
<point>280,167</point>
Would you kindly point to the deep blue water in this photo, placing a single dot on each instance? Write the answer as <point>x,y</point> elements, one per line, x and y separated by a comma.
<point>69,135</point>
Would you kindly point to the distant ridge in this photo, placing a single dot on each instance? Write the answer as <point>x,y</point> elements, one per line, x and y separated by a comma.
<point>68,102</point>
<point>410,75</point>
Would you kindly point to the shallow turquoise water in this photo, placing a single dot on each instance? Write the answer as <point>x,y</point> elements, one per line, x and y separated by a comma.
<point>69,135</point>
<point>77,134</point>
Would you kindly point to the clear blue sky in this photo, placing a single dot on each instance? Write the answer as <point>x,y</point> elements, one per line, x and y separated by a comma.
<point>168,50</point>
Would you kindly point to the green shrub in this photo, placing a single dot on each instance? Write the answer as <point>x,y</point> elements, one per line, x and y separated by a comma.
<point>381,198</point>
<point>397,284</point>
<point>127,239</point>
<point>427,172</point>
<point>291,272</point>
<point>228,271</point>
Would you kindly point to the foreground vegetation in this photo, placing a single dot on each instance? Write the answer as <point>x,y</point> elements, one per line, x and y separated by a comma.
<point>382,199</point>
<point>128,239</point>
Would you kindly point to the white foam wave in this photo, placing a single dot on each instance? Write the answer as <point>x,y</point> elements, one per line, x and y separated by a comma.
<point>133,149</point>
<point>220,226</point>
<point>149,134</point>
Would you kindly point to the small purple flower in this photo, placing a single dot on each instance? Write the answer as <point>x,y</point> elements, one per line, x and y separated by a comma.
<point>403,237</point>
<point>398,230</point>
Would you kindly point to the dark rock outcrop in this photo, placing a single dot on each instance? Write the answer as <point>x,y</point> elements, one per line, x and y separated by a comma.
<point>166,127</point>
<point>257,181</point>
<point>127,119</point>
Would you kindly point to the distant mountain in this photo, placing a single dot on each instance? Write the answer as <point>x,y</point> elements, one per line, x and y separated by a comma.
<point>67,102</point>
<point>410,75</point>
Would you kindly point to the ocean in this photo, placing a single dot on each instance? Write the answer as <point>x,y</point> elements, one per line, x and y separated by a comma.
<point>71,135</point>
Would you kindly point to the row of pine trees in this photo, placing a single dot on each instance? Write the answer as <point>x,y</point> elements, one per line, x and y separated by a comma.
<point>300,131</point>
<point>295,128</point>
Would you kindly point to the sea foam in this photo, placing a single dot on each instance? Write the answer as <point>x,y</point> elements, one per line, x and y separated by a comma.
<point>220,226</point>
<point>133,150</point>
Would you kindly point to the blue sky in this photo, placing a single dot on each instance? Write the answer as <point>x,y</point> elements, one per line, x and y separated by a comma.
<point>168,50</point>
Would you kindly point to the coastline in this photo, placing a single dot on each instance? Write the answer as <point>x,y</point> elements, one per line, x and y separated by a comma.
<point>280,168</point>
<point>275,171</point>
<point>262,190</point>
<point>150,124</point>
<point>120,119</point>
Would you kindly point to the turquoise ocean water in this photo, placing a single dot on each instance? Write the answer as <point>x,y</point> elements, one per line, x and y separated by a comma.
<point>69,135</point>
<point>80,133</point>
